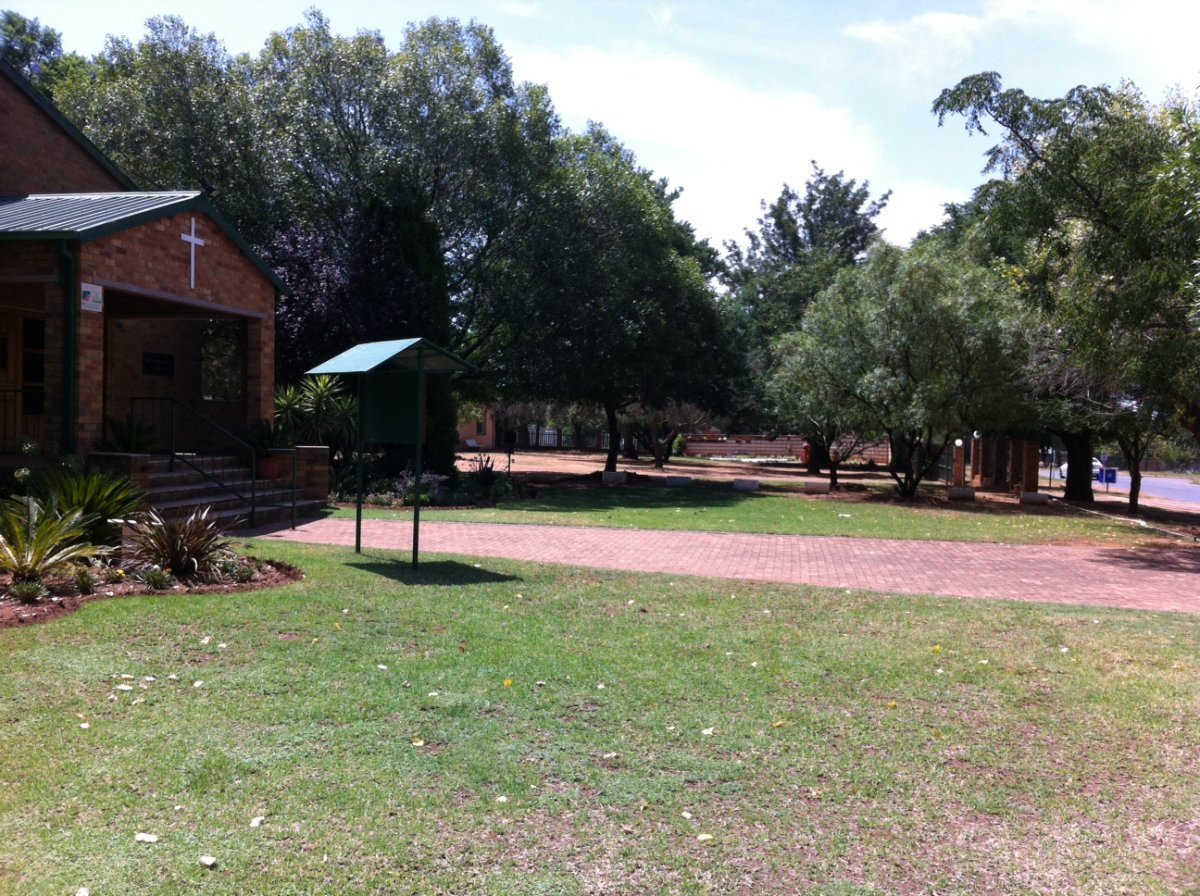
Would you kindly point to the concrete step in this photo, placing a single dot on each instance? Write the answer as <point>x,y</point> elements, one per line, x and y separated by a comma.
<point>179,492</point>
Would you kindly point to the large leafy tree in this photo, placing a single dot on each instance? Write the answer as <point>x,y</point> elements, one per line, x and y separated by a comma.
<point>424,192</point>
<point>386,188</point>
<point>36,51</point>
<point>915,346</point>
<point>614,307</point>
<point>1099,240</point>
<point>175,111</point>
<point>802,240</point>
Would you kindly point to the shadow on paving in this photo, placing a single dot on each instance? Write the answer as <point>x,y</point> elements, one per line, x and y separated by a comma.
<point>564,496</point>
<point>433,572</point>
<point>1181,559</point>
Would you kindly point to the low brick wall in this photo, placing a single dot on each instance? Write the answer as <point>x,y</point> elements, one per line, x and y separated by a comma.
<point>312,471</point>
<point>757,446</point>
<point>135,466</point>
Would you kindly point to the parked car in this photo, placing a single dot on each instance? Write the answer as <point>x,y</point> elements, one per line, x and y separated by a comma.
<point>1096,468</point>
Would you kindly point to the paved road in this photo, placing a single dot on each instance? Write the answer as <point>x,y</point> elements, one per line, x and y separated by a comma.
<point>1143,578</point>
<point>1169,487</point>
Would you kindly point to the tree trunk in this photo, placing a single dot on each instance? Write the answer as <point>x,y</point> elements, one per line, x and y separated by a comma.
<point>614,438</point>
<point>833,468</point>
<point>1079,466</point>
<point>629,446</point>
<point>1133,450</point>
<point>901,467</point>
<point>663,447</point>
<point>818,455</point>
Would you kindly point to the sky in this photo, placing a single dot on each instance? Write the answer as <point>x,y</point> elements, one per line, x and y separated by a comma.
<point>731,100</point>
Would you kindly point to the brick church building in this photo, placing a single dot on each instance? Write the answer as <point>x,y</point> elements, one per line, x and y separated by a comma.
<point>115,301</point>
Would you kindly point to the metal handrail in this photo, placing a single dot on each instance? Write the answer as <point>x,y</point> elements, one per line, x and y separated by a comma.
<point>240,447</point>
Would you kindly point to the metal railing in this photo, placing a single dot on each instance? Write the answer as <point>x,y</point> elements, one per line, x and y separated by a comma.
<point>209,444</point>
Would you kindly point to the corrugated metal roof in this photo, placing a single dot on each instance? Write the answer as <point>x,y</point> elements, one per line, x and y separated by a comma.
<point>79,215</point>
<point>395,354</point>
<point>90,216</point>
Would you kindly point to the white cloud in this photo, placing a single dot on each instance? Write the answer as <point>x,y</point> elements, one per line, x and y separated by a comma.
<point>1153,40</point>
<point>726,145</point>
<point>955,28</point>
<point>519,10</point>
<point>915,206</point>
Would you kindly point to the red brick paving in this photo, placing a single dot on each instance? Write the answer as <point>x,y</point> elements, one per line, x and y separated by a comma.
<point>1138,578</point>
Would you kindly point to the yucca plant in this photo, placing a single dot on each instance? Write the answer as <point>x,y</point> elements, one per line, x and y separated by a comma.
<point>35,543</point>
<point>99,495</point>
<point>189,549</point>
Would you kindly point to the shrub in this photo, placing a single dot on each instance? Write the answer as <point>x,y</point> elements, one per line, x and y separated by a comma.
<point>35,543</point>
<point>241,571</point>
<point>156,579</point>
<point>27,592</point>
<point>112,575</point>
<point>99,495</point>
<point>85,581</point>
<point>191,548</point>
<point>130,437</point>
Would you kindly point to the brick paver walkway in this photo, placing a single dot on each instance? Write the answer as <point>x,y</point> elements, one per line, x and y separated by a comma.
<point>1139,578</point>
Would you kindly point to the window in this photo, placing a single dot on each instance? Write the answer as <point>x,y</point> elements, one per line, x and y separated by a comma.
<point>222,360</point>
<point>480,427</point>
<point>33,367</point>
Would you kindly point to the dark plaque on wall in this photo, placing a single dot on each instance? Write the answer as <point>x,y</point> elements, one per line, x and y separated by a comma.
<point>158,364</point>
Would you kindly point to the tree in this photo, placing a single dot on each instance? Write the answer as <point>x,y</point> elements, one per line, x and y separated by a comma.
<point>175,112</point>
<point>26,45</point>
<point>916,346</point>
<point>1099,240</point>
<point>807,393</point>
<point>614,306</point>
<point>802,241</point>
<point>36,52</point>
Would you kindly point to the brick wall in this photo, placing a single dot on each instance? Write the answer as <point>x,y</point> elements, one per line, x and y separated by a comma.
<point>152,257</point>
<point>37,156</point>
<point>312,471</point>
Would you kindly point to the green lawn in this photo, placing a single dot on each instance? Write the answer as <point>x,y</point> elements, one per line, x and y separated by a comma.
<point>499,728</point>
<point>705,507</point>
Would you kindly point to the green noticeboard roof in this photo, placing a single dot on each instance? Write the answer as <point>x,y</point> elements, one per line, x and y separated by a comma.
<point>393,355</point>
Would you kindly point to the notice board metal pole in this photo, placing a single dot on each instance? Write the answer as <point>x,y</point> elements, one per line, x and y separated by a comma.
<point>358,503</point>
<point>420,418</point>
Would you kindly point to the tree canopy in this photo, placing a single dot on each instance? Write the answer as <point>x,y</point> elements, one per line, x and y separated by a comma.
<point>1089,217</point>
<point>916,346</point>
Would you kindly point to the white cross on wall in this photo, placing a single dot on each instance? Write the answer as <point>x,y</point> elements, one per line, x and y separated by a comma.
<point>195,241</point>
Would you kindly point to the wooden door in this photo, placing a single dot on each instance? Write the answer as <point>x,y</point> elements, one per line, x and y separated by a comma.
<point>10,379</point>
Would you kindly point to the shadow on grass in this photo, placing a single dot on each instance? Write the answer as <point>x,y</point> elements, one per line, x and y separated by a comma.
<point>433,572</point>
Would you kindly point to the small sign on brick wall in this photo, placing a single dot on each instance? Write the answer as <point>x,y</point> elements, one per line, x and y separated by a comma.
<point>91,297</point>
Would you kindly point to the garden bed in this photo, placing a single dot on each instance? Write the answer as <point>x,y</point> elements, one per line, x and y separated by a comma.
<point>65,596</point>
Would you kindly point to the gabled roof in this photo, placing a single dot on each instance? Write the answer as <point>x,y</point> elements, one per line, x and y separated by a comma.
<point>63,122</point>
<point>395,354</point>
<point>90,216</point>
